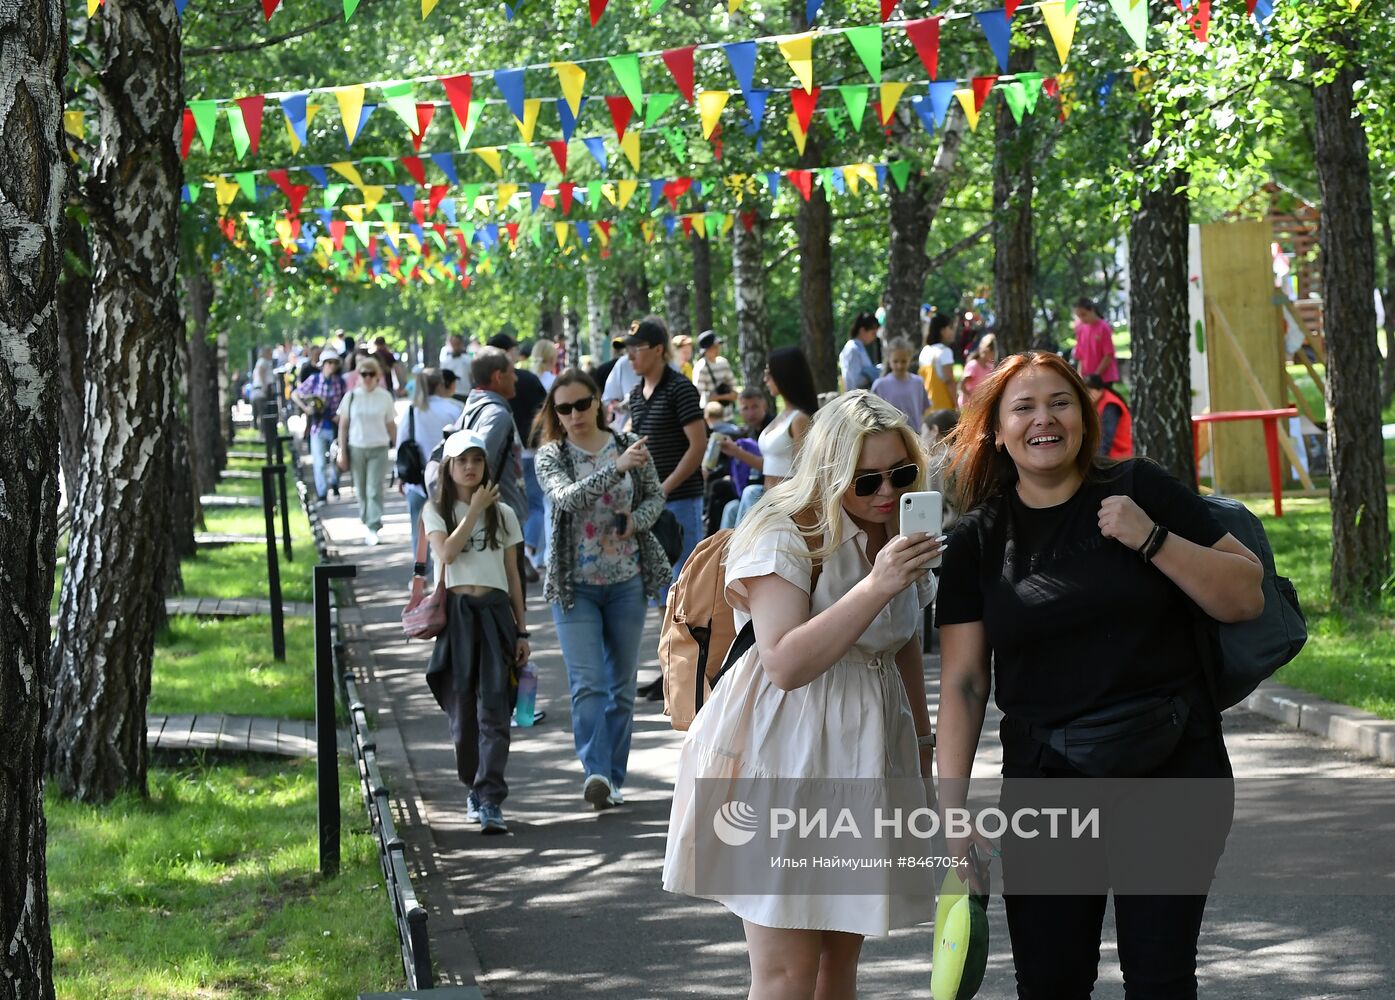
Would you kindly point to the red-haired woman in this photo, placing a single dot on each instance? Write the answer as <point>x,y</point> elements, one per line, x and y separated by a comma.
<point>1077,576</point>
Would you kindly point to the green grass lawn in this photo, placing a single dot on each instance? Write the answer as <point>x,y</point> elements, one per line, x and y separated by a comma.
<point>231,571</point>
<point>209,889</point>
<point>1349,658</point>
<point>212,665</point>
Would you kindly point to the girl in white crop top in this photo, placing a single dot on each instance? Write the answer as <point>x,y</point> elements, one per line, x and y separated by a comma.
<point>777,446</point>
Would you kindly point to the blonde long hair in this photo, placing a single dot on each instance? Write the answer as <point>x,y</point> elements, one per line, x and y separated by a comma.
<point>824,467</point>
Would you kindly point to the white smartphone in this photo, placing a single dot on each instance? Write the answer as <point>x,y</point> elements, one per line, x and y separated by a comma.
<point>923,511</point>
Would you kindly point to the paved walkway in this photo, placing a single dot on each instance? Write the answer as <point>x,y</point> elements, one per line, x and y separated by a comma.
<point>570,905</point>
<point>231,734</point>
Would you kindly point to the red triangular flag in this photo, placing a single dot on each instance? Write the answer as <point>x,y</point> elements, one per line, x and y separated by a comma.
<point>297,195</point>
<point>887,7</point>
<point>1009,6</point>
<point>281,179</point>
<point>440,228</point>
<point>337,229</point>
<point>186,137</point>
<point>803,181</point>
<point>419,212</point>
<point>559,153</point>
<point>438,194</point>
<point>252,117</point>
<point>1200,19</point>
<point>1250,7</point>
<point>269,8</point>
<point>687,225</point>
<point>464,281</point>
<point>925,36</point>
<point>229,227</point>
<point>512,227</point>
<point>372,246</point>
<point>295,229</point>
<point>458,93</point>
<point>621,111</point>
<point>425,112</point>
<point>804,102</point>
<point>415,168</point>
<point>748,219</point>
<point>680,64</point>
<point>566,189</point>
<point>604,227</point>
<point>597,9</point>
<point>982,85</point>
<point>464,247</point>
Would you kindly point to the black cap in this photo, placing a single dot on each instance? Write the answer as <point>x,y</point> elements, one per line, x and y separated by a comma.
<point>502,341</point>
<point>650,332</point>
<point>708,338</point>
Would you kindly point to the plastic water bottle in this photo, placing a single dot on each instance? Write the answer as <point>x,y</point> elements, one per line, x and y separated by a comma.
<point>527,694</point>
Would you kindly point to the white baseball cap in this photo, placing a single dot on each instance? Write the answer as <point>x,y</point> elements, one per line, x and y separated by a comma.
<point>462,441</point>
<point>328,354</point>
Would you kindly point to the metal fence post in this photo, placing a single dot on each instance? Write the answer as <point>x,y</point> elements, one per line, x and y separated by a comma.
<point>326,735</point>
<point>285,507</point>
<point>273,567</point>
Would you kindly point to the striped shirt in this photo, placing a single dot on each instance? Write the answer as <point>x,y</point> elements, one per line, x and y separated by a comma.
<point>662,417</point>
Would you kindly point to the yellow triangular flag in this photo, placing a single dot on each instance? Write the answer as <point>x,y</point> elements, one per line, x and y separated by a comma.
<point>966,101</point>
<point>1065,88</point>
<point>727,220</point>
<point>310,110</point>
<point>74,125</point>
<point>490,155</point>
<point>530,118</point>
<point>372,194</point>
<point>1061,24</point>
<point>800,136</point>
<point>608,191</point>
<point>699,224</point>
<point>1353,4</point>
<point>864,171</point>
<point>349,172</point>
<point>350,108</point>
<point>629,145</point>
<point>890,94</point>
<point>572,78</point>
<point>1141,79</point>
<point>627,190</point>
<point>225,191</point>
<point>734,5</point>
<point>427,6</point>
<point>354,212</point>
<point>647,229</point>
<point>283,230</point>
<point>92,6</point>
<point>710,105</point>
<point>851,178</point>
<point>504,194</point>
<point>561,230</point>
<point>603,236</point>
<point>798,51</point>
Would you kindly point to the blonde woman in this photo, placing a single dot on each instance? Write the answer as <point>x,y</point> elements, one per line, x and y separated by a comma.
<point>833,687</point>
<point>543,361</point>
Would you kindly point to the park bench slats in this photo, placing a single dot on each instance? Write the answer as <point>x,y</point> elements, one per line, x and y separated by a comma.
<point>261,737</point>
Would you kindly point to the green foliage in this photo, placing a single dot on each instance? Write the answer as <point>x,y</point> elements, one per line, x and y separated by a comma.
<point>210,666</point>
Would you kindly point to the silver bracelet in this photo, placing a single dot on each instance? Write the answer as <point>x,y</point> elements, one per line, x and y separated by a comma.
<point>928,740</point>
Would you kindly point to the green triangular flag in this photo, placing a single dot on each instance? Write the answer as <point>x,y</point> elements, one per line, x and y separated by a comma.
<point>436,238</point>
<point>399,98</point>
<point>468,231</point>
<point>656,5</point>
<point>835,118</point>
<point>867,43</point>
<point>361,228</point>
<point>655,107</point>
<point>332,193</point>
<point>1016,96</point>
<point>714,221</point>
<point>468,194</point>
<point>238,127</point>
<point>350,244</point>
<point>677,141</point>
<point>349,7</point>
<point>1031,86</point>
<point>826,179</point>
<point>899,170</point>
<point>855,98</point>
<point>526,156</point>
<point>194,191</point>
<point>384,211</point>
<point>593,195</point>
<point>472,118</point>
<point>626,70</point>
<point>385,162</point>
<point>1134,19</point>
<point>248,183</point>
<point>535,234</point>
<point>1070,5</point>
<point>206,118</point>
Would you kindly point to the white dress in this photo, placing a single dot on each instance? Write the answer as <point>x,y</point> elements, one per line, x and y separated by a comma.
<point>852,721</point>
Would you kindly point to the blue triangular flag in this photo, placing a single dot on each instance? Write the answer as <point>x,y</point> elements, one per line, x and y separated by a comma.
<point>596,147</point>
<point>567,119</point>
<point>1264,9</point>
<point>294,107</point>
<point>321,178</point>
<point>448,210</point>
<point>363,116</point>
<point>510,9</point>
<point>445,163</point>
<point>839,184</point>
<point>1104,88</point>
<point>941,93</point>
<point>772,181</point>
<point>326,216</point>
<point>926,112</point>
<point>185,197</point>
<point>536,191</point>
<point>580,195</point>
<point>881,173</point>
<point>491,233</point>
<point>697,187</point>
<point>656,192</point>
<point>811,10</point>
<point>670,223</point>
<point>179,6</point>
<point>418,232</point>
<point>755,105</point>
<point>408,193</point>
<point>510,84</point>
<point>760,144</point>
<point>742,56</point>
<point>998,32</point>
<point>583,229</point>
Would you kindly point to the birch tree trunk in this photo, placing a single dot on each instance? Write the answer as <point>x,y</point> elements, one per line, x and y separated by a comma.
<point>595,317</point>
<point>748,290</point>
<point>1360,529</point>
<point>75,297</point>
<point>32,183</point>
<point>112,594</point>
<point>205,399</point>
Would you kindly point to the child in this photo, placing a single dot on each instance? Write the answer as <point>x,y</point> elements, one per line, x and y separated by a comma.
<point>899,389</point>
<point>473,670</point>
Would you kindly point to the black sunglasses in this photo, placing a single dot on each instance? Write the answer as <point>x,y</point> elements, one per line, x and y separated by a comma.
<point>580,406</point>
<point>900,477</point>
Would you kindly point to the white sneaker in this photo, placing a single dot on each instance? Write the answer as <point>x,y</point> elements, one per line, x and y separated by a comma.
<point>370,537</point>
<point>598,792</point>
<point>616,799</point>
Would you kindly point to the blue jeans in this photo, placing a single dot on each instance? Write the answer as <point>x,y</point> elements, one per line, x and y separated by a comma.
<point>533,527</point>
<point>735,510</point>
<point>416,500</point>
<point>600,639</point>
<point>326,472</point>
<point>689,514</point>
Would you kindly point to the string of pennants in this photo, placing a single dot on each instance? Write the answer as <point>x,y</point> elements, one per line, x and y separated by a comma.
<point>245,115</point>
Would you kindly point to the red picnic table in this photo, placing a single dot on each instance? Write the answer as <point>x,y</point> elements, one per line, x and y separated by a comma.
<point>1271,420</point>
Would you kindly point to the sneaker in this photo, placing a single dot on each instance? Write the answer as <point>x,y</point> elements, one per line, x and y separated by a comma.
<point>334,492</point>
<point>492,819</point>
<point>370,537</point>
<point>598,792</point>
<point>472,808</point>
<point>616,799</point>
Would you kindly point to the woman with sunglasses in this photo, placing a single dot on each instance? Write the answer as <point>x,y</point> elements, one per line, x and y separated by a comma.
<point>366,429</point>
<point>833,689</point>
<point>603,568</point>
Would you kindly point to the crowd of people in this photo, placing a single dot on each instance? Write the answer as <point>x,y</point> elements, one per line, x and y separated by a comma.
<point>599,483</point>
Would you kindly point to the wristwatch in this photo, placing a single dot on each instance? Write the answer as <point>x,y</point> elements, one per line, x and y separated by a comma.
<point>523,633</point>
<point>419,569</point>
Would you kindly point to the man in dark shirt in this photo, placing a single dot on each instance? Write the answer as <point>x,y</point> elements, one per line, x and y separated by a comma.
<point>602,371</point>
<point>388,363</point>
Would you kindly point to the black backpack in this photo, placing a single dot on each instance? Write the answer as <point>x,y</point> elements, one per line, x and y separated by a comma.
<point>411,464</point>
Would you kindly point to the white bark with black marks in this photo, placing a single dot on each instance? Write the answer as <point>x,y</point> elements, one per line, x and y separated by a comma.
<point>748,291</point>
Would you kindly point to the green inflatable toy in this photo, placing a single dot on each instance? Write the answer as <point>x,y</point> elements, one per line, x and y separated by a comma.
<point>961,941</point>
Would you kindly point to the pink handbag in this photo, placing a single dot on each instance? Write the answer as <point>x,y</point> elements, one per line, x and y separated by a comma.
<point>424,617</point>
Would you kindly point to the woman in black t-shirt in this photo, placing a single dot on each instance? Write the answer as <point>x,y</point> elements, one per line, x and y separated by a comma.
<point>1079,577</point>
